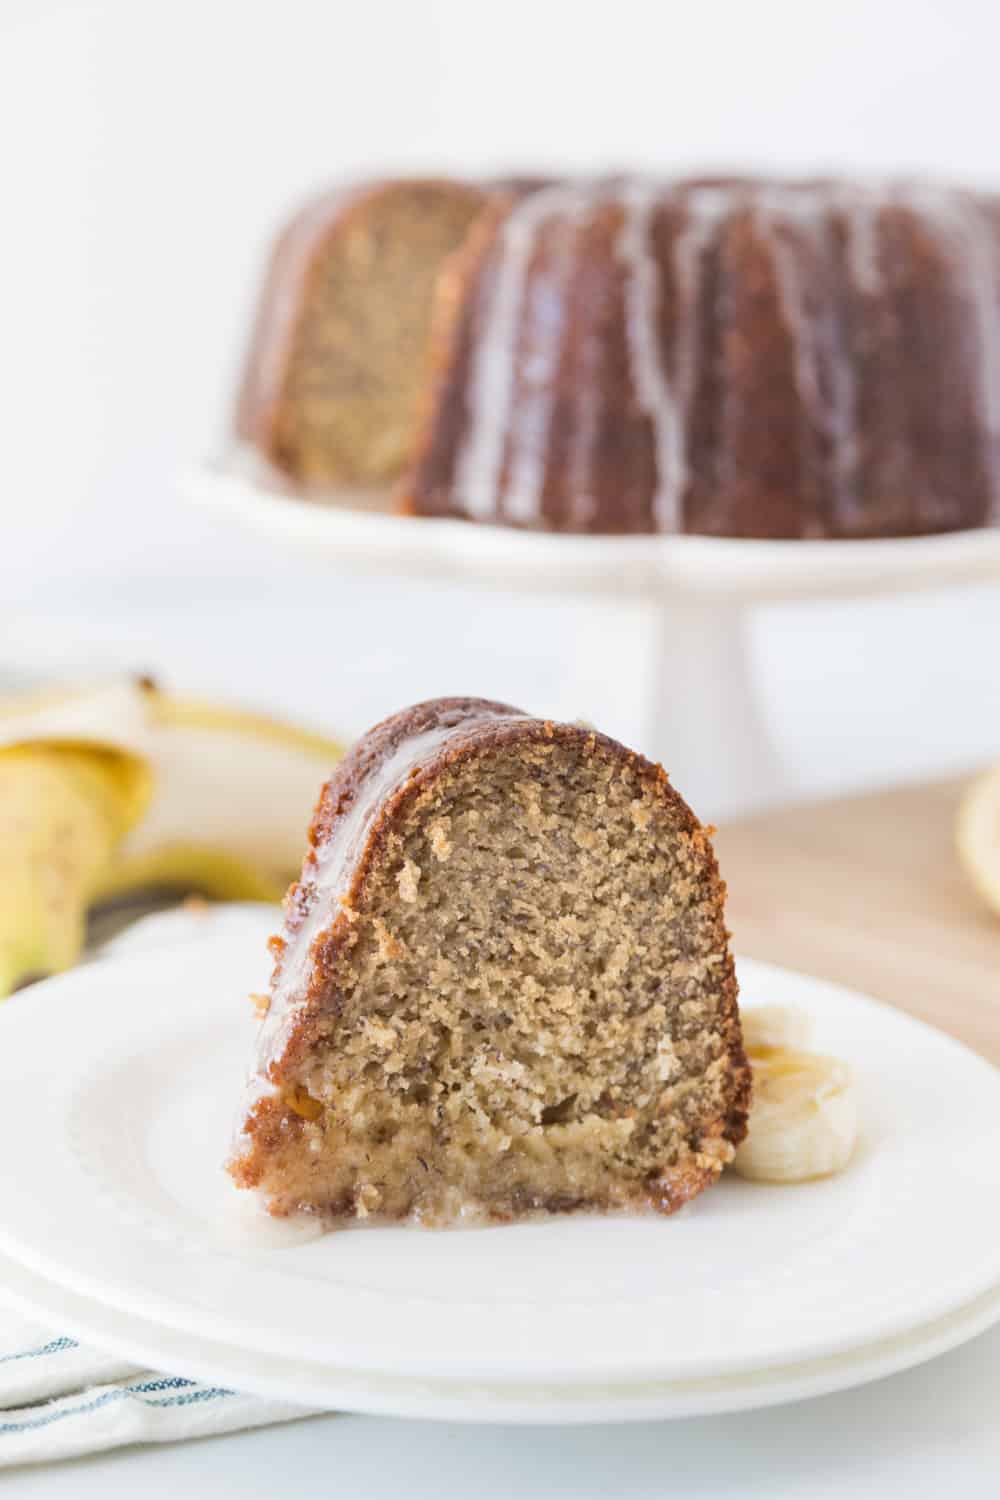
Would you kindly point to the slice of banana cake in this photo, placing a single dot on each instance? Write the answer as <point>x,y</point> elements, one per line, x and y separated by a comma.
<point>504,986</point>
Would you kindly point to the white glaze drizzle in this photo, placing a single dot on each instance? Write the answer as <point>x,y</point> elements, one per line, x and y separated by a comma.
<point>704,210</point>
<point>243,1224</point>
<point>479,468</point>
<point>653,388</point>
<point>970,250</point>
<point>772,220</point>
<point>810,325</point>
<point>328,874</point>
<point>988,324</point>
<point>825,381</point>
<point>529,417</point>
<point>503,461</point>
<point>860,206</point>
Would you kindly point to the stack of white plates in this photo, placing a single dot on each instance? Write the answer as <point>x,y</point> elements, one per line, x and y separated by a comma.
<point>119,1226</point>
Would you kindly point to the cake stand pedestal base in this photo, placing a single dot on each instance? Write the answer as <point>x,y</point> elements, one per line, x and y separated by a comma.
<point>702,717</point>
<point>704,720</point>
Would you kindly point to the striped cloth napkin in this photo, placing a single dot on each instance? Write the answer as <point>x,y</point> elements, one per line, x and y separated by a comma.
<point>60,1398</point>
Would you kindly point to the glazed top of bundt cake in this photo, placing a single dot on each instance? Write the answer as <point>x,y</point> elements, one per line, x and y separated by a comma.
<point>727,356</point>
<point>733,357</point>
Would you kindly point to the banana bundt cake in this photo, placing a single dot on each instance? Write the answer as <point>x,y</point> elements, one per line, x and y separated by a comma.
<point>504,986</point>
<point>736,357</point>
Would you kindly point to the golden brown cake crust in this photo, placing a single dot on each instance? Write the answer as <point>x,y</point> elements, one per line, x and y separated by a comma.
<point>464,728</point>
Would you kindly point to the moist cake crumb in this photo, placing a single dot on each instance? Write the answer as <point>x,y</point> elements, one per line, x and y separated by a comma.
<point>505,986</point>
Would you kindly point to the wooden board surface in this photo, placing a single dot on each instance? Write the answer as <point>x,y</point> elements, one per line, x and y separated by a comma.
<point>868,891</point>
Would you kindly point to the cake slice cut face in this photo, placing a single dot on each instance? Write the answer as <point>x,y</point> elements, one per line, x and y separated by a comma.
<point>504,987</point>
<point>336,372</point>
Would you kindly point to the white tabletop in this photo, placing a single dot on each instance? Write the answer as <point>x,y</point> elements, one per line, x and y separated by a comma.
<point>929,1432</point>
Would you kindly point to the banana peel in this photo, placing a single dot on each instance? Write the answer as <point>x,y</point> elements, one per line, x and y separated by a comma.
<point>234,794</point>
<point>189,868</point>
<point>123,789</point>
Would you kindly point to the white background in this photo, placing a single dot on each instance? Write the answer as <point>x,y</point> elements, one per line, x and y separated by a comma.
<point>148,152</point>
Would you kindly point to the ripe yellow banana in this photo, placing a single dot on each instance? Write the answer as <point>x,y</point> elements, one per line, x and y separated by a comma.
<point>121,788</point>
<point>234,793</point>
<point>803,1119</point>
<point>63,810</point>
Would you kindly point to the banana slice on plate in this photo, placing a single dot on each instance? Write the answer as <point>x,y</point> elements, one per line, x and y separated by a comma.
<point>766,1026</point>
<point>803,1119</point>
<point>977,835</point>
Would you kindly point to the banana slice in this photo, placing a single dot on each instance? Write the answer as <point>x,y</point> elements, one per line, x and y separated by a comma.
<point>803,1120</point>
<point>977,835</point>
<point>769,1026</point>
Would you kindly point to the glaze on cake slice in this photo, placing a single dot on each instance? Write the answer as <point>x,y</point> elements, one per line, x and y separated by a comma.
<point>504,987</point>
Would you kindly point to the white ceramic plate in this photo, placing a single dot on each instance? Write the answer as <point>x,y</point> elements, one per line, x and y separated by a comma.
<point>367,534</point>
<point>324,1387</point>
<point>115,1116</point>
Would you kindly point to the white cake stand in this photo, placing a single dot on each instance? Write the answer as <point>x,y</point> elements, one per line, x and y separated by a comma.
<point>703,717</point>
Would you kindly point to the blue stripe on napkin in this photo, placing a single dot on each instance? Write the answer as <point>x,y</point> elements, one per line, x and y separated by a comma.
<point>139,1392</point>
<point>54,1346</point>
